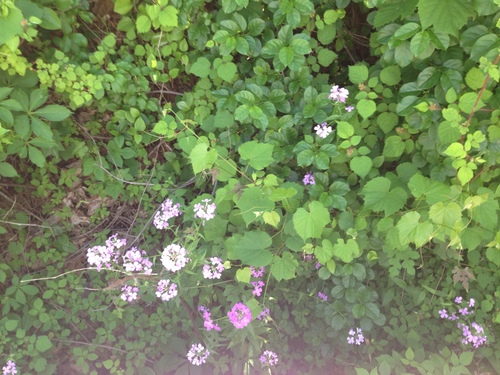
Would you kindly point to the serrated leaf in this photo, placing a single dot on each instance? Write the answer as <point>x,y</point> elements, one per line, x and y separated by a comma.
<point>201,158</point>
<point>346,251</point>
<point>251,249</point>
<point>36,156</point>
<point>201,67</point>
<point>271,218</point>
<point>411,230</point>
<point>143,24</point>
<point>258,155</point>
<point>7,170</point>
<point>447,16</point>
<point>324,253</point>
<point>53,112</point>
<point>284,267</point>
<point>310,224</point>
<point>366,108</point>
<point>474,78</point>
<point>123,6</point>
<point>393,147</point>
<point>286,55</point>
<point>446,214</point>
<point>254,202</point>
<point>379,196</point>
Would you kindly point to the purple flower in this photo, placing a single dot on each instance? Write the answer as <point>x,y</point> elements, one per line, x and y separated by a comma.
<point>115,242</point>
<point>349,108</point>
<point>458,299</point>
<point>257,272</point>
<point>264,314</point>
<point>323,296</point>
<point>174,257</point>
<point>129,293</point>
<point>208,323</point>
<point>197,354</point>
<point>443,314</point>
<point>102,256</point>
<point>323,130</point>
<point>309,179</point>
<point>476,338</point>
<point>9,368</point>
<point>204,210</point>
<point>318,265</point>
<point>472,302</point>
<point>167,211</point>
<point>240,315</point>
<point>355,337</point>
<point>135,260</point>
<point>258,285</point>
<point>166,290</point>
<point>269,358</point>
<point>214,269</point>
<point>338,94</point>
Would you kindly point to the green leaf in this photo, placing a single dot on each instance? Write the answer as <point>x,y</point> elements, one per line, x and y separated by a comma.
<point>379,196</point>
<point>11,325</point>
<point>286,55</point>
<point>201,158</point>
<point>330,16</point>
<point>469,101</point>
<point>7,170</point>
<point>37,98</point>
<point>358,74</point>
<point>259,155</point>
<point>446,214</point>
<point>407,31</point>
<point>456,150</point>
<point>366,108</point>
<point>447,16</point>
<point>252,203</point>
<point>201,67</point>
<point>284,267</point>
<point>168,17</point>
<point>361,165</point>
<point>346,251</point>
<point>227,71</point>
<point>474,78</point>
<point>411,230</point>
<point>53,112</point>
<point>324,253</point>
<point>387,121</point>
<point>251,249</point>
<point>391,10</point>
<point>11,25</point>
<point>143,24</point>
<point>345,130</point>
<point>50,20</point>
<point>483,46</point>
<point>301,46</point>
<point>36,156</point>
<point>391,75</point>
<point>43,343</point>
<point>420,43</point>
<point>123,6</point>
<point>393,147</point>
<point>326,57</point>
<point>311,224</point>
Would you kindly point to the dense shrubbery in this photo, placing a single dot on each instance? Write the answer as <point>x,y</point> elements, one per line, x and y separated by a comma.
<point>242,186</point>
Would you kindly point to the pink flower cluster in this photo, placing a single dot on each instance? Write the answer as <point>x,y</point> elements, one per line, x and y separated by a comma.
<point>174,258</point>
<point>197,355</point>
<point>309,179</point>
<point>258,285</point>
<point>323,296</point>
<point>205,210</point>
<point>213,270</point>
<point>257,272</point>
<point>323,130</point>
<point>166,211</point>
<point>105,256</point>
<point>136,260</point>
<point>208,322</point>
<point>355,337</point>
<point>269,358</point>
<point>166,290</point>
<point>129,293</point>
<point>240,315</point>
<point>9,368</point>
<point>338,94</point>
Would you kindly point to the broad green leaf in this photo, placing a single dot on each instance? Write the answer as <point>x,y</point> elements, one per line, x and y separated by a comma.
<point>301,46</point>
<point>50,19</point>
<point>143,24</point>
<point>325,252</point>
<point>243,275</point>
<point>201,67</point>
<point>420,43</point>
<point>366,108</point>
<point>455,150</point>
<point>258,155</point>
<point>361,165</point>
<point>252,203</point>
<point>345,130</point>
<point>487,213</point>
<point>330,16</point>
<point>326,57</point>
<point>391,10</point>
<point>201,158</point>
<point>284,267</point>
<point>379,196</point>
<point>271,218</point>
<point>346,251</point>
<point>391,75</point>
<point>393,147</point>
<point>407,31</point>
<point>36,156</point>
<point>358,74</point>
<point>227,71</point>
<point>53,112</point>
<point>411,230</point>
<point>387,121</point>
<point>7,170</point>
<point>43,343</point>
<point>446,214</point>
<point>123,6</point>
<point>483,46</point>
<point>447,16</point>
<point>310,224</point>
<point>251,249</point>
<point>286,55</point>
<point>465,174</point>
<point>168,16</point>
<point>469,101</point>
<point>474,78</point>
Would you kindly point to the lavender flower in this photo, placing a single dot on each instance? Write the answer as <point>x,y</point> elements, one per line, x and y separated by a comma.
<point>356,336</point>
<point>129,293</point>
<point>214,269</point>
<point>167,211</point>
<point>208,323</point>
<point>115,242</point>
<point>269,358</point>
<point>240,315</point>
<point>309,179</point>
<point>258,285</point>
<point>9,368</point>
<point>264,314</point>
<point>443,314</point>
<point>102,256</point>
<point>257,272</point>
<point>349,108</point>
<point>323,296</point>
<point>323,130</point>
<point>476,338</point>
<point>174,257</point>
<point>197,354</point>
<point>338,94</point>
<point>166,290</point>
<point>205,210</point>
<point>135,260</point>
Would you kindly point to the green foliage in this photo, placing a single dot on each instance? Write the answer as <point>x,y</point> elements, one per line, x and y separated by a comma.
<point>102,119</point>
